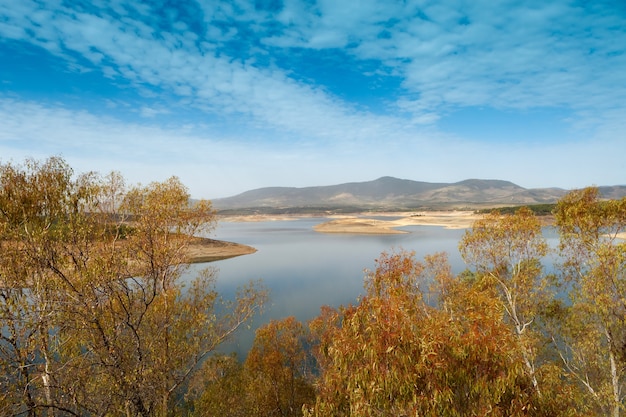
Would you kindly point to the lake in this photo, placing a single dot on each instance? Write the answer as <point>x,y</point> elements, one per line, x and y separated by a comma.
<point>304,269</point>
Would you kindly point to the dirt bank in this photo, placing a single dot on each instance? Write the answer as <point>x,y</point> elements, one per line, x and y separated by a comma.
<point>208,250</point>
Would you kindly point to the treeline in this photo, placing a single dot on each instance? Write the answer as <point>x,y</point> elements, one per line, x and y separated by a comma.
<point>95,319</point>
<point>537,209</point>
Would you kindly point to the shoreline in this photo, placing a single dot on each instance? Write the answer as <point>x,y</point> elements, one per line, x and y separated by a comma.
<point>363,225</point>
<point>372,222</point>
<point>209,250</point>
<point>203,250</point>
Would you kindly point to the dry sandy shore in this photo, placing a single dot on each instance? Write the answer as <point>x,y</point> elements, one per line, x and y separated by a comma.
<point>376,223</point>
<point>208,250</point>
<point>367,225</point>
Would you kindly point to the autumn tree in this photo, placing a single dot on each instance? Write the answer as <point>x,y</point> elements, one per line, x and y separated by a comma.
<point>98,320</point>
<point>36,204</point>
<point>420,342</point>
<point>505,253</point>
<point>274,380</point>
<point>280,369</point>
<point>221,388</point>
<point>592,332</point>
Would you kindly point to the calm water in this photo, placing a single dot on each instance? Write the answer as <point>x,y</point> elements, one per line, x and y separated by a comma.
<point>304,269</point>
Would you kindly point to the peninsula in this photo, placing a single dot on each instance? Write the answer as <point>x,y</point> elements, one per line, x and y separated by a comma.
<point>365,224</point>
<point>208,250</point>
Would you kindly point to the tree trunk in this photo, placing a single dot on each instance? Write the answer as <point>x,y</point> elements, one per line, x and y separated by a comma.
<point>615,384</point>
<point>45,378</point>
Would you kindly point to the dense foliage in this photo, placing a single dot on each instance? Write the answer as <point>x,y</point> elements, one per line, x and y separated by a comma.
<point>93,314</point>
<point>95,321</point>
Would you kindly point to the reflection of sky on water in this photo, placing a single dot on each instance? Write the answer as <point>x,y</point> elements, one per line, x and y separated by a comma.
<point>304,269</point>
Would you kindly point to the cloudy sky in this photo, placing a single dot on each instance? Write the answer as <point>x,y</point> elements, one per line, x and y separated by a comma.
<point>240,94</point>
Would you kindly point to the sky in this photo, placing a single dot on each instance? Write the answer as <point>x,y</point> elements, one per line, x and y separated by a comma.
<point>236,95</point>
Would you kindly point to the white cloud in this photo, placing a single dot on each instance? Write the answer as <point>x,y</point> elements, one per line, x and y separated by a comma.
<point>151,112</point>
<point>219,82</point>
<point>449,56</point>
<point>505,55</point>
<point>214,166</point>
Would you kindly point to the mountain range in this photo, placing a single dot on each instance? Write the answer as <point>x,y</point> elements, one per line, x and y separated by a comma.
<point>394,194</point>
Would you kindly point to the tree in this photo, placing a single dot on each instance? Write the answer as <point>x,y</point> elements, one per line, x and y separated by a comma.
<point>506,252</point>
<point>221,388</point>
<point>420,342</point>
<point>279,368</point>
<point>274,380</point>
<point>98,320</point>
<point>35,206</point>
<point>592,332</point>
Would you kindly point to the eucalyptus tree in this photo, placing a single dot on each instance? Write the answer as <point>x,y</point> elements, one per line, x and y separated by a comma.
<point>94,314</point>
<point>279,369</point>
<point>592,331</point>
<point>35,207</point>
<point>274,380</point>
<point>419,342</point>
<point>506,253</point>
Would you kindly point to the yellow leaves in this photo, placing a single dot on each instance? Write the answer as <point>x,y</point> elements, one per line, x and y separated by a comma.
<point>397,353</point>
<point>496,241</point>
<point>274,379</point>
<point>590,331</point>
<point>104,312</point>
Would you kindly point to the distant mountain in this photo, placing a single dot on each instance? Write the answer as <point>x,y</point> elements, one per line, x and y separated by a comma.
<point>388,193</point>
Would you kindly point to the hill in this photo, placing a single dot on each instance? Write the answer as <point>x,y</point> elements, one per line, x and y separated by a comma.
<point>393,194</point>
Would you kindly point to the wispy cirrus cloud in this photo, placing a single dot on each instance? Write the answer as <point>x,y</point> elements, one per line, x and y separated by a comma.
<point>457,53</point>
<point>180,63</point>
<point>448,55</point>
<point>321,88</point>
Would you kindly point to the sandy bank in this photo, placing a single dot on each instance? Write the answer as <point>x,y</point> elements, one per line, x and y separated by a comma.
<point>243,218</point>
<point>357,225</point>
<point>208,250</point>
<point>364,225</point>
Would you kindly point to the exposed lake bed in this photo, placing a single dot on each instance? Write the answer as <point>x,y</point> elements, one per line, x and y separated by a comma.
<point>209,250</point>
<point>379,224</point>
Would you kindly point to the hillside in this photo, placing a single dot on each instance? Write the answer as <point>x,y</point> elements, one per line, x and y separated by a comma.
<point>393,194</point>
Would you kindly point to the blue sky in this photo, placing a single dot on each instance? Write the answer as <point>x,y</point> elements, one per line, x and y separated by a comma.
<point>235,95</point>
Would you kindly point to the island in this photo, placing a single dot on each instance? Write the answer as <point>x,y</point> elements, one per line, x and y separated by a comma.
<point>362,224</point>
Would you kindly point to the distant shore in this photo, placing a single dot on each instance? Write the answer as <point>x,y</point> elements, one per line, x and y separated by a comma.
<point>374,223</point>
<point>367,225</point>
<point>208,250</point>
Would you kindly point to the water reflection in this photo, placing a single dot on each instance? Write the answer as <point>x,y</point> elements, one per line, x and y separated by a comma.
<point>304,269</point>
